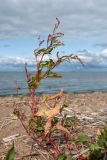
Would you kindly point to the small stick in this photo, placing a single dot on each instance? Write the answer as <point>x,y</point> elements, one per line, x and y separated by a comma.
<point>10,138</point>
<point>85,151</point>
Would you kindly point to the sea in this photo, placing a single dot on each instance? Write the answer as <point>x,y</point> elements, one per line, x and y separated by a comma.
<point>72,82</point>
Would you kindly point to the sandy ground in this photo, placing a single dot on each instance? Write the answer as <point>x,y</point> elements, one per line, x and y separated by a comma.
<point>91,109</point>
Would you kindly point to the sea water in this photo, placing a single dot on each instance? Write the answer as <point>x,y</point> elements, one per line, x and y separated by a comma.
<point>73,81</point>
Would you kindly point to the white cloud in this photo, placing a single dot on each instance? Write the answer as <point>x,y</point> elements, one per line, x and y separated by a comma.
<point>95,58</point>
<point>88,57</point>
<point>15,60</point>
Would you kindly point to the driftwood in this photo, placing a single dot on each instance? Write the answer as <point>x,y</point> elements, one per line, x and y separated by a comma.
<point>83,152</point>
<point>10,138</point>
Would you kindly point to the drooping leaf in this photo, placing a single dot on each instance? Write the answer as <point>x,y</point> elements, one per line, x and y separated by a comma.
<point>43,111</point>
<point>55,111</point>
<point>49,113</point>
<point>11,153</point>
<point>48,126</point>
<point>54,96</point>
<point>61,128</point>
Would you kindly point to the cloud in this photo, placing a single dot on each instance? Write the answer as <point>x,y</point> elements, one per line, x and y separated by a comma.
<point>89,58</point>
<point>15,60</point>
<point>80,19</point>
<point>94,58</point>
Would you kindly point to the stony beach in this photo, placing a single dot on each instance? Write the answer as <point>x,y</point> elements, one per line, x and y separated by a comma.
<point>90,108</point>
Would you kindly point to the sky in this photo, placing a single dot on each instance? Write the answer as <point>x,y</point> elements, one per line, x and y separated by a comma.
<point>83,22</point>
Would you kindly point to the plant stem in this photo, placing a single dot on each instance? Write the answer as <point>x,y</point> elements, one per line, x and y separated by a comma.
<point>36,140</point>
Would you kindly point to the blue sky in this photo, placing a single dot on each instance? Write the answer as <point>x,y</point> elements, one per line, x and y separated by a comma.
<point>24,47</point>
<point>82,21</point>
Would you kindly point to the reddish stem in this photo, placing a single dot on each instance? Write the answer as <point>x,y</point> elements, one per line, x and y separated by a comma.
<point>58,152</point>
<point>35,139</point>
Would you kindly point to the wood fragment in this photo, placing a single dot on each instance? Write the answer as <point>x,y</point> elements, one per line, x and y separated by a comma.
<point>10,138</point>
<point>83,152</point>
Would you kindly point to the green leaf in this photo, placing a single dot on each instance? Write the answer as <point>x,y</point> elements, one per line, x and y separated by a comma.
<point>68,121</point>
<point>11,153</point>
<point>54,39</point>
<point>95,146</point>
<point>82,138</point>
<point>50,63</point>
<point>32,83</point>
<point>43,65</point>
<point>33,78</point>
<point>49,50</point>
<point>40,74</point>
<point>54,75</point>
<point>31,123</point>
<point>40,51</point>
<point>39,122</point>
<point>102,139</point>
<point>58,44</point>
<point>39,128</point>
<point>62,157</point>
